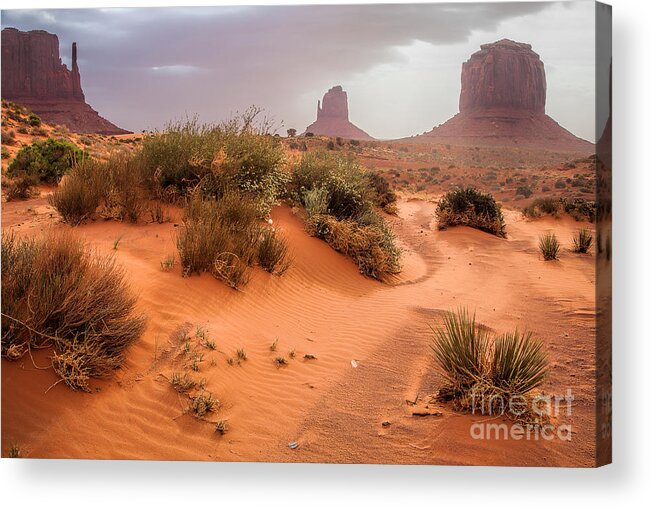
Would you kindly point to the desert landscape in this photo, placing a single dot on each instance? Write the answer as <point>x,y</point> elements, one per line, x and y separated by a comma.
<point>226,292</point>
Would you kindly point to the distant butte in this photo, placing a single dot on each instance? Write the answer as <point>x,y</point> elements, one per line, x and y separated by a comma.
<point>33,75</point>
<point>502,102</point>
<point>332,117</point>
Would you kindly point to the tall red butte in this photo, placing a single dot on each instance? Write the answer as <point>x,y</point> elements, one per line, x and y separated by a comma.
<point>502,102</point>
<point>33,75</point>
<point>332,117</point>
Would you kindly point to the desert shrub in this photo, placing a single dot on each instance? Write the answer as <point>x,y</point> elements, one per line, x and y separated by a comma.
<point>123,194</point>
<point>384,196</point>
<point>20,186</point>
<point>524,191</point>
<point>47,160</point>
<point>315,201</point>
<point>5,152</point>
<point>580,209</point>
<point>34,120</point>
<point>80,193</point>
<point>582,241</point>
<point>234,155</point>
<point>219,236</point>
<point>482,371</point>
<point>55,292</point>
<point>339,197</point>
<point>8,137</point>
<point>471,207</point>
<point>114,184</point>
<point>330,145</point>
<point>549,246</point>
<point>350,194</point>
<point>273,251</point>
<point>370,245</point>
<point>542,206</point>
<point>560,184</point>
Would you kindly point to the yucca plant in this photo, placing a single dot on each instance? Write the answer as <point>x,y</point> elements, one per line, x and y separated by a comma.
<point>549,246</point>
<point>461,347</point>
<point>519,364</point>
<point>582,241</point>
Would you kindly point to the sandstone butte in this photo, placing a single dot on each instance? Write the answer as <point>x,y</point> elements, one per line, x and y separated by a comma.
<point>502,102</point>
<point>34,76</point>
<point>332,117</point>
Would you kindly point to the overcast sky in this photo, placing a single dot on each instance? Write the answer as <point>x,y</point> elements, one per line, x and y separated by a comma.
<point>400,64</point>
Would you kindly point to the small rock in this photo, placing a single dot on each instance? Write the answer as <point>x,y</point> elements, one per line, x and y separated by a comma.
<point>386,424</point>
<point>293,445</point>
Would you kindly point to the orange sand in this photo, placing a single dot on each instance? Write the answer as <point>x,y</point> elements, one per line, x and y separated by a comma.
<point>321,306</point>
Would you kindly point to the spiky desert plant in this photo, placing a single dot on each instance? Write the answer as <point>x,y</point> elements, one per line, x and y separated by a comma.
<point>582,241</point>
<point>519,363</point>
<point>549,246</point>
<point>460,346</point>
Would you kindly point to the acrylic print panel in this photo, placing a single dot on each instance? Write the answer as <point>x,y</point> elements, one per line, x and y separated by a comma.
<point>341,234</point>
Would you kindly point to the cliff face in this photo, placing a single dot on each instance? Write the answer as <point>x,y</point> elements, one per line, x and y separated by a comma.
<point>503,75</point>
<point>33,75</point>
<point>332,117</point>
<point>502,102</point>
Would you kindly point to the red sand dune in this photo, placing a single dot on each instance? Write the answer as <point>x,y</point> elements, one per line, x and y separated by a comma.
<point>321,306</point>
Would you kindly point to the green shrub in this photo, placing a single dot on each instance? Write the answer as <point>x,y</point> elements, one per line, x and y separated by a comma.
<point>484,372</point>
<point>339,198</point>
<point>47,160</point>
<point>315,201</point>
<point>580,209</point>
<point>273,251</point>
<point>235,155</point>
<point>350,193</point>
<point>34,120</point>
<point>582,242</point>
<point>549,246</point>
<point>5,152</point>
<point>473,208</point>
<point>560,184</point>
<point>54,292</point>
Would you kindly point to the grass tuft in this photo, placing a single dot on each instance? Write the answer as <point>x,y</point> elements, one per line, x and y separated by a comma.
<point>486,373</point>
<point>202,403</point>
<point>549,246</point>
<point>182,382</point>
<point>582,242</point>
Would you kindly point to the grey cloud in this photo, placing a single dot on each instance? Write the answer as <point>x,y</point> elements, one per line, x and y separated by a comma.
<point>142,67</point>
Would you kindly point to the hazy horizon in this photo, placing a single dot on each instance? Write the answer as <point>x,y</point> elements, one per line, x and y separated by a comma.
<point>400,64</point>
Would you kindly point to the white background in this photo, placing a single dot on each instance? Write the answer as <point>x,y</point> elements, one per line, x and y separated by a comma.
<point>626,482</point>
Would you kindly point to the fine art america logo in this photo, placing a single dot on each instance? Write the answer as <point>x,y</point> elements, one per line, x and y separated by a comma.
<point>531,417</point>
